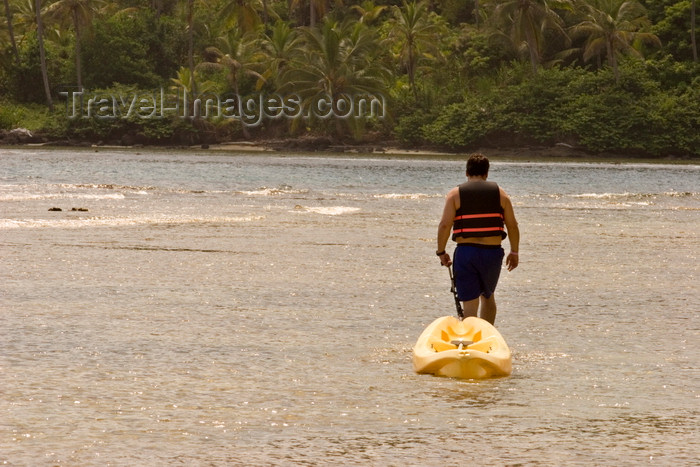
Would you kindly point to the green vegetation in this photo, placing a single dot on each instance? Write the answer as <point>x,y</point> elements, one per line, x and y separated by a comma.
<point>606,76</point>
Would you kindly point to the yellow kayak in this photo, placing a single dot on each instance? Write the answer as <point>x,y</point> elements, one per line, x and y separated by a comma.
<point>468,349</point>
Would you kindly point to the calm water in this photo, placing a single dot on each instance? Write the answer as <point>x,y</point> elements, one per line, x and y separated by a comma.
<point>222,309</point>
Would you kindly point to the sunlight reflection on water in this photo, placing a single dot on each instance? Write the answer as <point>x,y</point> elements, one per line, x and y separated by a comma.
<point>214,322</point>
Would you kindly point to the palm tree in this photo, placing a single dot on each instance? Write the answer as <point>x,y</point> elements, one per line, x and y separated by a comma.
<point>281,47</point>
<point>339,58</point>
<point>368,11</point>
<point>238,55</point>
<point>416,36</point>
<point>243,13</point>
<point>526,21</point>
<point>185,81</point>
<point>612,28</point>
<point>24,19</point>
<point>340,61</point>
<point>81,13</point>
<point>10,30</point>
<point>192,12</point>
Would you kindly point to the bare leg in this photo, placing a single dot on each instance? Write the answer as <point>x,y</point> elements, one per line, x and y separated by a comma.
<point>471,307</point>
<point>488,308</point>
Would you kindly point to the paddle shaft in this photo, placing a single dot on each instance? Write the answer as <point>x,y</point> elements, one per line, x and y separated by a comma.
<point>458,304</point>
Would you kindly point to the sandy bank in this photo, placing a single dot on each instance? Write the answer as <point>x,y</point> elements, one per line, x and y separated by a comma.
<point>324,145</point>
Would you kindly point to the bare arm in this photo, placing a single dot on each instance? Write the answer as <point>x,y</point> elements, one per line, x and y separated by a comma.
<point>445,226</point>
<point>513,231</point>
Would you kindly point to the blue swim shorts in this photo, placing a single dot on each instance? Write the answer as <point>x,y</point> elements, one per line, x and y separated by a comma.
<point>476,270</point>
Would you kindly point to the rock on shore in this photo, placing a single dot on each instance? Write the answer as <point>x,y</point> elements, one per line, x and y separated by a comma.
<point>18,136</point>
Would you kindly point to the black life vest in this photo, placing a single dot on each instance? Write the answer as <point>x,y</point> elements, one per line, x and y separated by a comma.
<point>480,213</point>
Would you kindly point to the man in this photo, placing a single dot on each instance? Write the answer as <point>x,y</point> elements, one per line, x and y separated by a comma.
<point>476,213</point>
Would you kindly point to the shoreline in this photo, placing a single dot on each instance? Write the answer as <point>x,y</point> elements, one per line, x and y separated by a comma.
<point>307,144</point>
<point>559,152</point>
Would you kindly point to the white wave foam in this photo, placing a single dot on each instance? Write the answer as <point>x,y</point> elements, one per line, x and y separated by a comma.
<point>281,190</point>
<point>604,195</point>
<point>38,196</point>
<point>90,196</point>
<point>403,196</point>
<point>108,186</point>
<point>76,223</point>
<point>671,194</point>
<point>332,210</point>
<point>6,224</point>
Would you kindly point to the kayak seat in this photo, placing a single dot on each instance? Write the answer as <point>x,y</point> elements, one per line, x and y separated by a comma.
<point>464,342</point>
<point>440,345</point>
<point>484,345</point>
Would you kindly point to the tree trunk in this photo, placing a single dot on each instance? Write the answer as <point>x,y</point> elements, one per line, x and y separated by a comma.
<point>411,70</point>
<point>476,13</point>
<point>692,31</point>
<point>532,48</point>
<point>190,43</point>
<point>157,6</point>
<point>612,59</point>
<point>42,54</point>
<point>312,13</point>
<point>10,31</point>
<point>244,127</point>
<point>78,68</point>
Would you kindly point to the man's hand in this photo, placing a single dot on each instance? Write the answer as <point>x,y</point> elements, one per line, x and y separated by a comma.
<point>512,260</point>
<point>445,259</point>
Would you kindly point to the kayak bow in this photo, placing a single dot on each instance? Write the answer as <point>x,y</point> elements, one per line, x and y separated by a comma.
<point>469,349</point>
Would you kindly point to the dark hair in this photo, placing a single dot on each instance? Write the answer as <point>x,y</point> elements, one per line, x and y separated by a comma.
<point>477,165</point>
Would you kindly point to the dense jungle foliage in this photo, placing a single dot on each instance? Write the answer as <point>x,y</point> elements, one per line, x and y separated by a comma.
<point>607,76</point>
